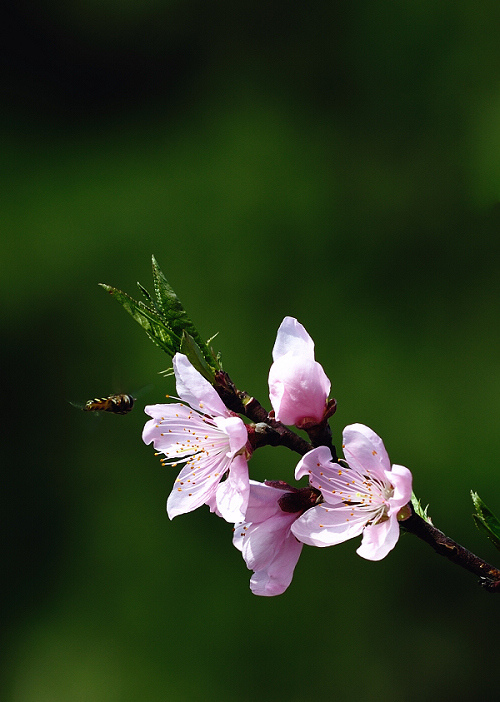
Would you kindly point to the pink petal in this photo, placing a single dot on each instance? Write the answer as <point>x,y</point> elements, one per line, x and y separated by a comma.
<point>313,463</point>
<point>364,450</point>
<point>277,577</point>
<point>161,437</point>
<point>194,389</point>
<point>192,489</point>
<point>236,430</point>
<point>298,390</point>
<point>232,494</point>
<point>326,525</point>
<point>319,468</point>
<point>298,385</point>
<point>267,545</point>
<point>263,540</point>
<point>212,504</point>
<point>292,338</point>
<point>379,539</point>
<point>257,541</point>
<point>263,502</point>
<point>401,479</point>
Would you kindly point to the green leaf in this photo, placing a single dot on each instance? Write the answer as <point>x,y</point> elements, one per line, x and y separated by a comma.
<point>149,320</point>
<point>148,297</point>
<point>190,348</point>
<point>486,520</point>
<point>167,324</point>
<point>419,509</point>
<point>173,312</point>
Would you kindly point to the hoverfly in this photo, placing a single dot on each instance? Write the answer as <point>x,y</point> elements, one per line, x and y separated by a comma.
<point>116,404</point>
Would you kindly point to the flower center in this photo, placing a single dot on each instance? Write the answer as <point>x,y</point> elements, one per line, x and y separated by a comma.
<point>362,492</point>
<point>192,436</point>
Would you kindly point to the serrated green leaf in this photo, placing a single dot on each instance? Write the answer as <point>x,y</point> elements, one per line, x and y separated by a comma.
<point>419,509</point>
<point>149,320</point>
<point>486,520</point>
<point>173,311</point>
<point>190,348</point>
<point>148,297</point>
<point>165,321</point>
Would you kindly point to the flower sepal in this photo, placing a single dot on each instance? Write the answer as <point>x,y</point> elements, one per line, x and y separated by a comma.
<point>312,425</point>
<point>404,513</point>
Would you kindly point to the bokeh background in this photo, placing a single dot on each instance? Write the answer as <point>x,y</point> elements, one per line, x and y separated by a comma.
<point>338,162</point>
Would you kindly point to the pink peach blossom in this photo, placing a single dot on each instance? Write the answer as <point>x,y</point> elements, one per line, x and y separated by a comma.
<point>298,385</point>
<point>265,539</point>
<point>362,497</point>
<point>208,439</point>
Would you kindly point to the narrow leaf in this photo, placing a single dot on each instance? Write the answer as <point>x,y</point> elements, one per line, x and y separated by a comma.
<point>486,520</point>
<point>148,297</point>
<point>167,324</point>
<point>419,509</point>
<point>174,313</point>
<point>190,348</point>
<point>149,320</point>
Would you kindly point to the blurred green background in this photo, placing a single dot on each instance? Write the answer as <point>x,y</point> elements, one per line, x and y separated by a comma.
<point>338,162</point>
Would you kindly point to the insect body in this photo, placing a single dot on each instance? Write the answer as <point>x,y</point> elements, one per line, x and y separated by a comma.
<point>117,404</point>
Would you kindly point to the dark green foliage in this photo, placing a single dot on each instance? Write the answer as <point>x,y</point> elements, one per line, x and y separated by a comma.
<point>486,520</point>
<point>419,509</point>
<point>167,324</point>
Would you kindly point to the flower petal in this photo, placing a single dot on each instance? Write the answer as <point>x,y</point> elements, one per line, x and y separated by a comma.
<point>173,433</point>
<point>236,430</point>
<point>192,488</point>
<point>278,576</point>
<point>267,545</point>
<point>232,494</point>
<point>364,450</point>
<point>298,385</point>
<point>194,389</point>
<point>401,479</point>
<point>379,539</point>
<point>313,462</point>
<point>326,525</point>
<point>257,541</point>
<point>298,389</point>
<point>263,501</point>
<point>292,338</point>
<point>263,540</point>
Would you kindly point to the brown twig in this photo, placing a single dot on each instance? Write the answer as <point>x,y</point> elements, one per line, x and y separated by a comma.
<point>268,431</point>
<point>444,546</point>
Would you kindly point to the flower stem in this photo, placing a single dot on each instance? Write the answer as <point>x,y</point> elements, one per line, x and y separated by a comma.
<point>242,403</point>
<point>444,546</point>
